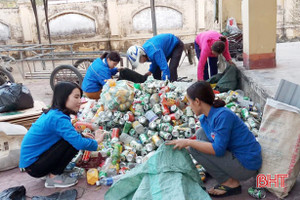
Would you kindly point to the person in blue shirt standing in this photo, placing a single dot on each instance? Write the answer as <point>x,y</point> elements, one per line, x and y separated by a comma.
<point>224,147</point>
<point>99,72</point>
<point>159,50</point>
<point>52,141</point>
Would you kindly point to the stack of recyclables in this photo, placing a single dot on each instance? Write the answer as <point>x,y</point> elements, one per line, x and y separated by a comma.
<point>244,108</point>
<point>117,95</point>
<point>157,112</point>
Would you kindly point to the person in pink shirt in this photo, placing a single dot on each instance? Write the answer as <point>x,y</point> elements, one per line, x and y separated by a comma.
<point>210,44</point>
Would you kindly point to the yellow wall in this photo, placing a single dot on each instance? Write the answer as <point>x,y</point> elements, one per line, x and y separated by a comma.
<point>230,8</point>
<point>259,26</point>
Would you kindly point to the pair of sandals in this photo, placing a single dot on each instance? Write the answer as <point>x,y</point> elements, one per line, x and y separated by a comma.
<point>228,190</point>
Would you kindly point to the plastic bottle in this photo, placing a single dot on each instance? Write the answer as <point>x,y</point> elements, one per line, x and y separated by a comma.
<point>87,108</point>
<point>125,138</point>
<point>113,170</point>
<point>107,164</point>
<point>108,181</point>
<point>116,153</point>
<point>92,176</point>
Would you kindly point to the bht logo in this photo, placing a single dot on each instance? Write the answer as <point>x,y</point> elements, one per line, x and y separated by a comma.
<point>263,180</point>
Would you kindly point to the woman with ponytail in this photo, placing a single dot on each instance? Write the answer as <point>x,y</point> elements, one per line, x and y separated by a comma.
<point>224,147</point>
<point>210,44</point>
<point>99,72</point>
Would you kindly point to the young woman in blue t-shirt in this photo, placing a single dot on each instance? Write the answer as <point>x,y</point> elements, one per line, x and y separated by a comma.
<point>52,141</point>
<point>224,147</point>
<point>99,72</point>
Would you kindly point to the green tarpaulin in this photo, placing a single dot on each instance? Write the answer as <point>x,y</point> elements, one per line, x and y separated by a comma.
<point>168,175</point>
<point>228,80</point>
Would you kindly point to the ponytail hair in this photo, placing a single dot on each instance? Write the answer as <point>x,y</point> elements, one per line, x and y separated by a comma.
<point>104,55</point>
<point>223,38</point>
<point>203,91</point>
<point>113,55</point>
<point>218,103</point>
<point>219,46</point>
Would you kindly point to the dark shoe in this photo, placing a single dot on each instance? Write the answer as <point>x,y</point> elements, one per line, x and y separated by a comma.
<point>228,190</point>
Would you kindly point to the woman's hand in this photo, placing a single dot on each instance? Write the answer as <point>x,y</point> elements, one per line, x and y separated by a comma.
<point>230,62</point>
<point>180,143</point>
<point>99,135</point>
<point>88,135</point>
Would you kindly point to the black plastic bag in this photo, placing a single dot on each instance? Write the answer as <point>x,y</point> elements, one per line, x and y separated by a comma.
<point>130,75</point>
<point>65,195</point>
<point>14,96</point>
<point>14,193</point>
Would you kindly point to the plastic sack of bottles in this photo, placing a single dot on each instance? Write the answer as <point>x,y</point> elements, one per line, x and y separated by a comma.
<point>117,95</point>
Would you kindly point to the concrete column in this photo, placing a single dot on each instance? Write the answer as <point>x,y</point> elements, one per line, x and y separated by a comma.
<point>113,17</point>
<point>200,15</point>
<point>259,33</point>
<point>26,16</point>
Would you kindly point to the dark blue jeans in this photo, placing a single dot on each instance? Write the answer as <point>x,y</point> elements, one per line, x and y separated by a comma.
<point>213,63</point>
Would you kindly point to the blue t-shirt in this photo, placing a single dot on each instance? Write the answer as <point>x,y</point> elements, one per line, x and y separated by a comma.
<point>158,49</point>
<point>96,75</point>
<point>46,131</point>
<point>227,132</point>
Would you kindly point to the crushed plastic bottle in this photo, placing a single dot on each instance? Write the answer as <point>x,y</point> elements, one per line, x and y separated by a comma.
<point>108,181</point>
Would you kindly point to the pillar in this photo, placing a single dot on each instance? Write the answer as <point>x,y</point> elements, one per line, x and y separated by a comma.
<point>26,16</point>
<point>113,17</point>
<point>259,33</point>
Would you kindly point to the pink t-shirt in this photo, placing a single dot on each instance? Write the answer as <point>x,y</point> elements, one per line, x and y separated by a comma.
<point>205,40</point>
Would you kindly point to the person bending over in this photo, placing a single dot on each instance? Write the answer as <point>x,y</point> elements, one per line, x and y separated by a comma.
<point>210,44</point>
<point>159,50</point>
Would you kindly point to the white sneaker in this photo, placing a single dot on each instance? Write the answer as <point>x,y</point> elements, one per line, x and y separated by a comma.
<point>60,181</point>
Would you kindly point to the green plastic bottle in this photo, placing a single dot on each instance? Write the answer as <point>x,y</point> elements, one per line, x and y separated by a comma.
<point>116,153</point>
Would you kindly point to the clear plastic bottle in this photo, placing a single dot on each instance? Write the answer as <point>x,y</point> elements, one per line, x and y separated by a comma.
<point>108,181</point>
<point>106,165</point>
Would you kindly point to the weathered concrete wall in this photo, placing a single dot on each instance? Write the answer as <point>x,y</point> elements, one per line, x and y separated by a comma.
<point>9,19</point>
<point>117,24</point>
<point>106,24</point>
<point>288,20</point>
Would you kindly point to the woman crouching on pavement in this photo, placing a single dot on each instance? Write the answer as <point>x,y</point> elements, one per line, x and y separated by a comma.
<point>224,147</point>
<point>52,141</point>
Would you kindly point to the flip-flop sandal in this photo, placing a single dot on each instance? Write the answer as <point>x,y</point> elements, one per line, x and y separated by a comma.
<point>228,190</point>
